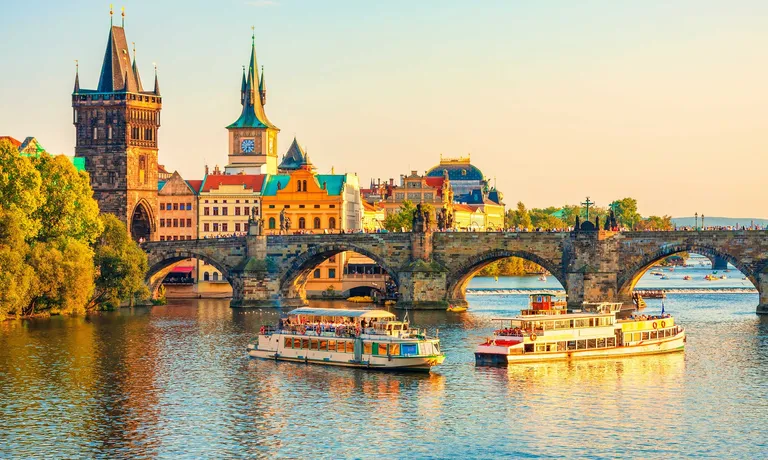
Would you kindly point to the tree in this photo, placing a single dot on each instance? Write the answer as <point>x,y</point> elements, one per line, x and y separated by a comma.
<point>19,189</point>
<point>626,212</point>
<point>120,266</point>
<point>656,223</point>
<point>64,276</point>
<point>519,217</point>
<point>401,219</point>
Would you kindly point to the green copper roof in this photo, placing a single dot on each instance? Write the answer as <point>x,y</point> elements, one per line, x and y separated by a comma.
<point>253,115</point>
<point>79,163</point>
<point>334,183</point>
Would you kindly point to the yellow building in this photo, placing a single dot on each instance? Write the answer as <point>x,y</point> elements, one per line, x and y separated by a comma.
<point>373,217</point>
<point>301,201</point>
<point>225,203</point>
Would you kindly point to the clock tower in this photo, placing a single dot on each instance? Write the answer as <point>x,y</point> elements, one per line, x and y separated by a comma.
<point>252,137</point>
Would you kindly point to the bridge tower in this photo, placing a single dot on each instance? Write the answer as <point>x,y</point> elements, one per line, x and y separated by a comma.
<point>116,131</point>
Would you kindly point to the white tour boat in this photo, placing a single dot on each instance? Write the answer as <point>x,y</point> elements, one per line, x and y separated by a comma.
<point>593,333</point>
<point>371,339</point>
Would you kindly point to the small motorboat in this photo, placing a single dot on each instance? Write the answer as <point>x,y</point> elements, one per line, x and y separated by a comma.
<point>543,278</point>
<point>456,309</point>
<point>723,277</point>
<point>687,278</point>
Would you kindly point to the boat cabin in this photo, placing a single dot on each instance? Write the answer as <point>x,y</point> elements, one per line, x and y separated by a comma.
<point>521,326</point>
<point>380,322</point>
<point>543,303</point>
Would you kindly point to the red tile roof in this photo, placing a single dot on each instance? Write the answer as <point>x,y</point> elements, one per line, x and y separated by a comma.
<point>195,184</point>
<point>249,181</point>
<point>436,182</point>
<point>13,141</point>
<point>462,207</point>
<point>369,207</point>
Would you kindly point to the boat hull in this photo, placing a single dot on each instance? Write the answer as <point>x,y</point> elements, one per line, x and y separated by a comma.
<point>414,364</point>
<point>670,345</point>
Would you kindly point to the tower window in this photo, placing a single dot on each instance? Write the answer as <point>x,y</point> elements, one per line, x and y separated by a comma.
<point>142,169</point>
<point>95,133</point>
<point>111,177</point>
<point>109,132</point>
<point>75,117</point>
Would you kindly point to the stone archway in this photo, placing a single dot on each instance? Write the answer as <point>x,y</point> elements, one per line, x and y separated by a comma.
<point>628,278</point>
<point>162,263</point>
<point>458,279</point>
<point>293,280</point>
<point>142,222</point>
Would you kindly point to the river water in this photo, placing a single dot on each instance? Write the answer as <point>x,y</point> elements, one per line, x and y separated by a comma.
<point>175,381</point>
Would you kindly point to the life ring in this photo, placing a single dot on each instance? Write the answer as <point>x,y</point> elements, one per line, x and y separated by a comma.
<point>655,326</point>
<point>533,337</point>
<point>663,324</point>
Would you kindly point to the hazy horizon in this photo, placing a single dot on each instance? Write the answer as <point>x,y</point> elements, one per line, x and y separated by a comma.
<point>662,101</point>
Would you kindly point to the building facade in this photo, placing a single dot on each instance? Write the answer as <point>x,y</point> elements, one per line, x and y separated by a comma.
<point>177,214</point>
<point>116,132</point>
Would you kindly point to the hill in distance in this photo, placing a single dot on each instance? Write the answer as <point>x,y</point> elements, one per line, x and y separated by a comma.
<point>720,221</point>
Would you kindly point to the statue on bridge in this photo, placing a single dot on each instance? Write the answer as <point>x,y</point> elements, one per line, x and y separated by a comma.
<point>255,224</point>
<point>422,220</point>
<point>285,222</point>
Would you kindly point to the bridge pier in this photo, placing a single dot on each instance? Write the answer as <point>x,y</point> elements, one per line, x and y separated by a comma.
<point>718,263</point>
<point>423,287</point>
<point>762,289</point>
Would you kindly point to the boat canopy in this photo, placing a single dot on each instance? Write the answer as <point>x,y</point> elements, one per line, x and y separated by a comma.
<point>334,312</point>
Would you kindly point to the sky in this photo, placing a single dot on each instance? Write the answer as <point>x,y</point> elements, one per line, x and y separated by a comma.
<point>663,101</point>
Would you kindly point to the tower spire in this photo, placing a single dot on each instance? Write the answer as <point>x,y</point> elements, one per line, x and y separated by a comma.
<point>135,69</point>
<point>157,85</point>
<point>242,89</point>
<point>262,88</point>
<point>110,15</point>
<point>253,115</point>
<point>77,76</point>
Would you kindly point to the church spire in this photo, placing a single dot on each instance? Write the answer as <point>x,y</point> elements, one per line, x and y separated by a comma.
<point>116,70</point>
<point>253,115</point>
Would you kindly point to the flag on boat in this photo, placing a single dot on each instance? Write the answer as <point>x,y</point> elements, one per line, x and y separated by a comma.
<point>662,306</point>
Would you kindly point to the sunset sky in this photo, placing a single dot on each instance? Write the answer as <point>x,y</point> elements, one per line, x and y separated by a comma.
<point>664,101</point>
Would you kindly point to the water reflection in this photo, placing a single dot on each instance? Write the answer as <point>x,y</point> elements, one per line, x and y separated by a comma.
<point>175,380</point>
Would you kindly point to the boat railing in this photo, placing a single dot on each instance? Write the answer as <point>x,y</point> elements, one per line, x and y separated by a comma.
<point>517,332</point>
<point>315,330</point>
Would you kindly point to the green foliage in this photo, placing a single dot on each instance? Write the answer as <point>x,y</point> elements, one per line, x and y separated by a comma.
<point>519,218</point>
<point>49,226</point>
<point>120,263</point>
<point>626,212</point>
<point>402,219</point>
<point>656,223</point>
<point>511,266</point>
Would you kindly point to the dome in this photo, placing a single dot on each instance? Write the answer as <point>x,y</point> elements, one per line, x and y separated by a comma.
<point>458,170</point>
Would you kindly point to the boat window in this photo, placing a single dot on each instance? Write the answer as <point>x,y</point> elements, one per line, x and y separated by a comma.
<point>610,342</point>
<point>560,346</point>
<point>528,348</point>
<point>313,344</point>
<point>646,336</point>
<point>581,344</point>
<point>654,335</point>
<point>409,349</point>
<point>601,342</point>
<point>323,345</point>
<point>350,347</point>
<point>561,324</point>
<point>288,342</point>
<point>571,324</point>
<point>367,348</point>
<point>627,337</point>
<point>305,344</point>
<point>552,347</point>
<point>296,343</point>
<point>582,323</point>
<point>383,349</point>
<point>571,345</point>
<point>331,345</point>
<point>341,347</point>
<point>541,347</point>
<point>636,337</point>
<point>549,324</point>
<point>591,343</point>
<point>394,349</point>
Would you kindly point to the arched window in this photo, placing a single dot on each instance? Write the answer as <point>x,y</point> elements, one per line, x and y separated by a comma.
<point>332,223</point>
<point>206,276</point>
<point>272,223</point>
<point>302,223</point>
<point>215,276</point>
<point>298,185</point>
<point>304,186</point>
<point>316,223</point>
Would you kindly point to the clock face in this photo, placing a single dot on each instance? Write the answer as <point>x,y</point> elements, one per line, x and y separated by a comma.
<point>247,145</point>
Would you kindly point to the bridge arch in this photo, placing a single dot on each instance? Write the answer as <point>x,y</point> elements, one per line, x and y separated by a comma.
<point>162,262</point>
<point>628,278</point>
<point>293,280</point>
<point>458,278</point>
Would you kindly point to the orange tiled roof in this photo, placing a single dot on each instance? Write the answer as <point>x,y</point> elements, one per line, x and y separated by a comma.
<point>13,141</point>
<point>249,181</point>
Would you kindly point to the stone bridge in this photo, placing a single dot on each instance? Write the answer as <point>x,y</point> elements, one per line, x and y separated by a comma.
<point>433,269</point>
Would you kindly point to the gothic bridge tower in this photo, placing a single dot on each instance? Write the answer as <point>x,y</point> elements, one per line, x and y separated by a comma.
<point>116,128</point>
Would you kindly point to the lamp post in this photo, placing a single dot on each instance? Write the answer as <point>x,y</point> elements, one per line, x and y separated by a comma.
<point>702,221</point>
<point>696,216</point>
